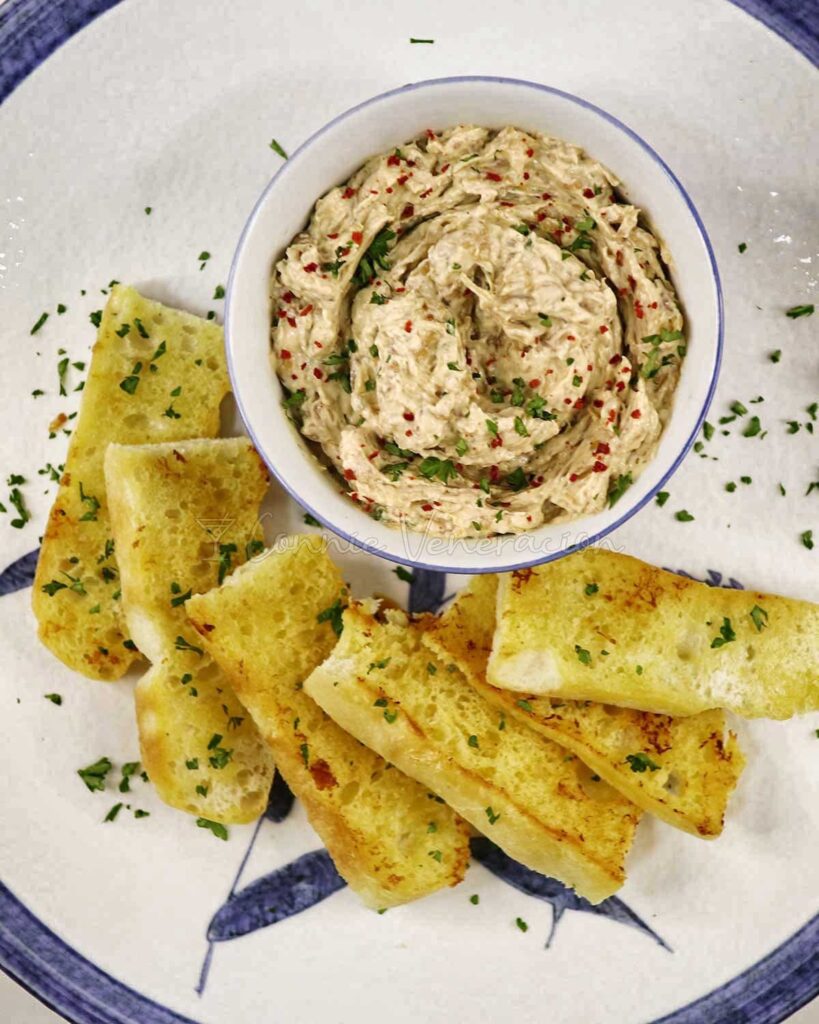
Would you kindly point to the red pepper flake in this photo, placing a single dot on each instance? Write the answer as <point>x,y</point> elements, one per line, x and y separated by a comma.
<point>343,252</point>
<point>430,134</point>
<point>612,416</point>
<point>572,478</point>
<point>317,373</point>
<point>408,211</point>
<point>393,160</point>
<point>373,191</point>
<point>492,176</point>
<point>407,433</point>
<point>625,369</point>
<point>507,204</point>
<point>622,291</point>
<point>444,169</point>
<point>294,376</point>
<point>588,193</point>
<point>525,175</point>
<point>620,385</point>
<point>579,404</point>
<point>541,217</point>
<point>318,344</point>
<point>334,235</point>
<point>303,366</point>
<point>557,234</point>
<point>310,268</point>
<point>373,455</point>
<point>348,193</point>
<point>570,337</point>
<point>494,474</point>
<point>426,507</point>
<point>530,152</point>
<point>409,416</point>
<point>349,474</point>
<point>496,442</point>
<point>425,193</point>
<point>546,196</point>
<point>408,326</point>
<point>402,180</point>
<point>603,329</point>
<point>599,467</point>
<point>389,189</point>
<point>410,163</point>
<point>567,401</point>
<point>306,310</point>
<point>639,312</point>
<point>619,258</point>
<point>401,289</point>
<point>632,283</point>
<point>292,321</point>
<point>285,354</point>
<point>636,414</point>
<point>282,314</point>
<point>357,237</point>
<point>287,297</point>
<point>615,359</point>
<point>652,305</point>
<point>569,222</point>
<point>534,383</point>
<point>602,449</point>
<point>598,403</point>
<point>589,367</point>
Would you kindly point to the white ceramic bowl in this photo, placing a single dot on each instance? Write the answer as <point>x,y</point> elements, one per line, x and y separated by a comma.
<point>328,158</point>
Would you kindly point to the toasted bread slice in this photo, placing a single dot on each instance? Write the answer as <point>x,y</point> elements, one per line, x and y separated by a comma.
<point>533,800</point>
<point>183,514</point>
<point>651,640</point>
<point>681,769</point>
<point>76,590</point>
<point>268,627</point>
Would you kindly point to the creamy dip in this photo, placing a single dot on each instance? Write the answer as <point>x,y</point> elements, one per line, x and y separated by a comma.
<point>478,333</point>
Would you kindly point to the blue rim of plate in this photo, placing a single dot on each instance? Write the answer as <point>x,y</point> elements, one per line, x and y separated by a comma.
<point>586,541</point>
<point>37,958</point>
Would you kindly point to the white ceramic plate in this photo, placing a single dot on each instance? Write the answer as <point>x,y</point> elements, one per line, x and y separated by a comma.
<point>173,106</point>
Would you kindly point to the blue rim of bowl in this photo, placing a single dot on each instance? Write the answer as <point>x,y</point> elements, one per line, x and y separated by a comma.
<point>593,538</point>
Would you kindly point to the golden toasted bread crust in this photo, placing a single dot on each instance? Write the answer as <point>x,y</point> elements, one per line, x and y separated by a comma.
<point>420,713</point>
<point>681,769</point>
<point>81,621</point>
<point>268,627</point>
<point>606,627</point>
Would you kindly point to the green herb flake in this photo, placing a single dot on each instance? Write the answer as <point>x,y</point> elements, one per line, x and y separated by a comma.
<point>55,698</point>
<point>474,899</point>
<point>775,356</point>
<point>492,816</point>
<point>182,644</point>
<point>94,775</point>
<point>796,311</point>
<point>726,634</point>
<point>619,488</point>
<point>807,539</point>
<point>759,617</point>
<point>662,497</point>
<point>216,827</point>
<point>404,574</point>
<point>753,428</point>
<point>111,815</point>
<point>425,41</point>
<point>590,588</point>
<point>473,742</point>
<point>521,924</point>
<point>333,615</point>
<point>583,655</point>
<point>742,246</point>
<point>641,763</point>
<point>683,516</point>
<point>39,324</point>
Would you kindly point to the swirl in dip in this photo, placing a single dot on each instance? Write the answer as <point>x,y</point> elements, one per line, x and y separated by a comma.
<point>478,334</point>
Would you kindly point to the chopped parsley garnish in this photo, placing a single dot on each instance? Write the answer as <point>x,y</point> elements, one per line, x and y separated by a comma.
<point>524,705</point>
<point>641,763</point>
<point>180,598</point>
<point>545,319</point>
<point>775,356</point>
<point>374,257</point>
<point>473,742</point>
<point>390,716</point>
<point>492,816</point>
<point>520,427</point>
<point>431,668</point>
<point>436,855</point>
<point>96,317</point>
<point>226,552</point>
<point>382,663</point>
<point>274,145</point>
<point>148,210</point>
<point>437,469</point>
<point>111,815</point>
<point>93,506</point>
<point>171,413</point>
<point>707,430</point>
<point>753,427</point>
<point>128,769</point>
<point>583,655</point>
<point>590,588</point>
<point>310,520</point>
<point>404,574</point>
<point>94,775</point>
<point>522,925</point>
<point>39,324</point>
<point>203,258</point>
<point>619,488</point>
<point>474,899</point>
<point>759,617</point>
<point>18,501</point>
<point>726,634</point>
<point>412,40</point>
<point>683,516</point>
<point>742,246</point>
<point>492,427</point>
<point>333,615</point>
<point>517,479</point>
<point>522,229</point>
<point>461,447</point>
<point>216,827</point>
<point>807,539</point>
<point>182,644</point>
<point>55,698</point>
<point>662,497</point>
<point>62,370</point>
<point>130,383</point>
<point>796,311</point>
